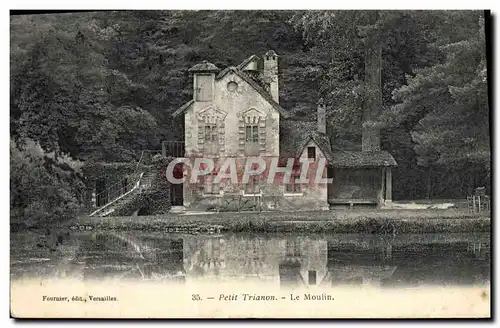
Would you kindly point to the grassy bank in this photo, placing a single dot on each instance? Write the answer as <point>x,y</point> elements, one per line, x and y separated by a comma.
<point>385,222</point>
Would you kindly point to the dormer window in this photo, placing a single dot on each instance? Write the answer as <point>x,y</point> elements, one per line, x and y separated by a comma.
<point>203,88</point>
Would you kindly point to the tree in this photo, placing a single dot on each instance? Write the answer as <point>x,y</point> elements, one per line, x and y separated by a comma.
<point>65,96</point>
<point>43,188</point>
<point>442,65</point>
<point>101,86</point>
<point>451,99</point>
<point>447,103</point>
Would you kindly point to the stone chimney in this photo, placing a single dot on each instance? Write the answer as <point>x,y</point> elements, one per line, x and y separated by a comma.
<point>271,74</point>
<point>370,140</point>
<point>321,116</point>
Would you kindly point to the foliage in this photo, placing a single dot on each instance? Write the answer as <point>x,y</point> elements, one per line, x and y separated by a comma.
<point>365,222</point>
<point>433,85</point>
<point>64,94</point>
<point>43,188</point>
<point>152,201</point>
<point>147,203</point>
<point>116,169</point>
<point>449,99</point>
<point>100,86</point>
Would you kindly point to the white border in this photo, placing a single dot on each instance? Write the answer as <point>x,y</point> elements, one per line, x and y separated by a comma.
<point>255,4</point>
<point>214,4</point>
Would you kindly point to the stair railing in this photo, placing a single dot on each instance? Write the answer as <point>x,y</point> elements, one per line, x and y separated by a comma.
<point>134,186</point>
<point>118,190</point>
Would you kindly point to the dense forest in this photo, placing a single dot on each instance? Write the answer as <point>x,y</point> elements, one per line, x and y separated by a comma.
<point>100,87</point>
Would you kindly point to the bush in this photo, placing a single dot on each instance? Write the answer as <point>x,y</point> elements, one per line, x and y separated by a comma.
<point>153,201</point>
<point>146,203</point>
<point>44,187</point>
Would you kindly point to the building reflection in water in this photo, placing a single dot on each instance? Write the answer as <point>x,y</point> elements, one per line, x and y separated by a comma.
<point>289,260</point>
<point>125,255</point>
<point>300,260</point>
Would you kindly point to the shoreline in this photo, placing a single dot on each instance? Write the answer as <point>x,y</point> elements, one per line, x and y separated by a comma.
<point>340,221</point>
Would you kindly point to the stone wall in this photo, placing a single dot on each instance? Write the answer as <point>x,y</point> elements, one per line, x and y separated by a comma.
<point>230,110</point>
<point>313,196</point>
<point>236,104</point>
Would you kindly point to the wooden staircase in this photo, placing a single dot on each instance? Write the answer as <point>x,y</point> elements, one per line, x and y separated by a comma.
<point>141,179</point>
<point>131,190</point>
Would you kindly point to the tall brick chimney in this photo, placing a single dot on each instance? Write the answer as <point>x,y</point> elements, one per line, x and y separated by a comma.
<point>372,103</point>
<point>370,139</point>
<point>321,116</point>
<point>271,74</point>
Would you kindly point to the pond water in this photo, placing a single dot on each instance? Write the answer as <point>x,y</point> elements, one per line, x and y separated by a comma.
<point>284,259</point>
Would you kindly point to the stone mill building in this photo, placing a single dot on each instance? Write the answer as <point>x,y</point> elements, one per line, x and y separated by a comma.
<point>235,113</point>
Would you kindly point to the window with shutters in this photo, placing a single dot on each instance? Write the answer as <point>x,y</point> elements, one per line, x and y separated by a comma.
<point>252,139</point>
<point>203,89</point>
<point>211,138</point>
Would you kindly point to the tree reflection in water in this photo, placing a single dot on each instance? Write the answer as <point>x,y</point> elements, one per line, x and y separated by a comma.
<point>288,260</point>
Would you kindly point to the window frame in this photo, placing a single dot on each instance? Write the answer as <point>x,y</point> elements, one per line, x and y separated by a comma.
<point>293,188</point>
<point>312,277</point>
<point>253,136</point>
<point>210,138</point>
<point>313,150</point>
<point>252,146</point>
<point>213,132</point>
<point>208,84</point>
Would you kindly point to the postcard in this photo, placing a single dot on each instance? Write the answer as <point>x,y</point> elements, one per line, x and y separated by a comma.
<point>250,164</point>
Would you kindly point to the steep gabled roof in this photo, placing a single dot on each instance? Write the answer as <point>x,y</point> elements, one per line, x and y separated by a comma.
<point>225,71</point>
<point>209,67</point>
<point>323,143</point>
<point>255,86</point>
<point>184,107</point>
<point>247,61</point>
<point>295,133</point>
<point>292,135</point>
<point>363,159</point>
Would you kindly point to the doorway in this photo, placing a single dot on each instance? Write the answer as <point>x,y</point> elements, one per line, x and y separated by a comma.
<point>101,192</point>
<point>177,190</point>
